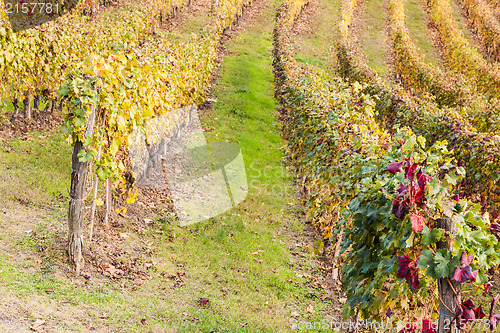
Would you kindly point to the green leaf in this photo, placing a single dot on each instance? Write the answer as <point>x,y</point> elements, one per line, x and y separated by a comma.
<point>103,173</point>
<point>79,122</point>
<point>421,140</point>
<point>84,156</point>
<point>65,130</point>
<point>430,237</point>
<point>81,154</point>
<point>441,270</point>
<point>318,247</point>
<point>478,236</point>
<point>410,142</point>
<point>481,277</point>
<point>451,178</point>
<point>442,260</point>
<point>425,259</point>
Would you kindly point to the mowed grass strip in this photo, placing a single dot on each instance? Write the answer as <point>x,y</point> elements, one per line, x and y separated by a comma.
<point>416,22</point>
<point>315,41</point>
<point>373,36</point>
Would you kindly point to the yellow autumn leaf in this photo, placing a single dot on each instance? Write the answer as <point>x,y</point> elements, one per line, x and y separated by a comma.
<point>114,146</point>
<point>121,210</point>
<point>121,123</point>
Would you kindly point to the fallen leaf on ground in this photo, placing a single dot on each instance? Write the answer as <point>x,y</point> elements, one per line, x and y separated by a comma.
<point>310,308</point>
<point>38,325</point>
<point>203,301</point>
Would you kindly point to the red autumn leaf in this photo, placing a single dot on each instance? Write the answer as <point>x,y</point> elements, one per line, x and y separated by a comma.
<point>419,197</point>
<point>408,270</point>
<point>494,321</point>
<point>487,287</point>
<point>394,167</point>
<point>422,179</point>
<point>410,171</point>
<point>428,327</point>
<point>495,230</point>
<point>465,259</point>
<point>410,327</point>
<point>417,222</point>
<point>467,308</point>
<point>203,301</point>
<point>402,189</point>
<point>464,273</point>
<point>494,318</point>
<point>479,313</point>
<point>419,188</point>
<point>400,207</point>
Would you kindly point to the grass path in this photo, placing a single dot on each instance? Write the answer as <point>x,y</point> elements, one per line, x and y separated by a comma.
<point>190,21</point>
<point>373,37</point>
<point>467,29</point>
<point>315,34</point>
<point>250,269</point>
<point>417,22</point>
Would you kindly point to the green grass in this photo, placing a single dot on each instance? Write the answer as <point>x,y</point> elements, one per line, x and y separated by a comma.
<point>6,106</point>
<point>193,23</point>
<point>316,47</point>
<point>373,35</point>
<point>461,21</point>
<point>417,26</point>
<point>240,261</point>
<point>35,168</point>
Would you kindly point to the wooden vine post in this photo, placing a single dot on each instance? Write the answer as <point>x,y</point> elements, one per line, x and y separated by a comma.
<point>27,105</point>
<point>449,291</point>
<point>77,198</point>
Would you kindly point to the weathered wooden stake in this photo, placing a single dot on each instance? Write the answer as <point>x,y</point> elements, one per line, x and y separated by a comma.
<point>27,105</point>
<point>53,105</point>
<point>16,107</point>
<point>77,199</point>
<point>448,300</point>
<point>107,203</point>
<point>94,204</point>
<point>36,102</point>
